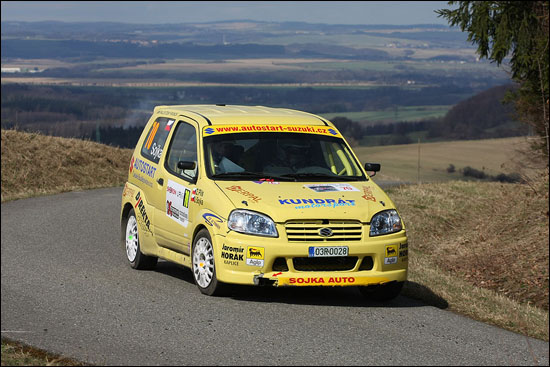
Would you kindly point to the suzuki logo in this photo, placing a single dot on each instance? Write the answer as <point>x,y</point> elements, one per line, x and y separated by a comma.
<point>325,232</point>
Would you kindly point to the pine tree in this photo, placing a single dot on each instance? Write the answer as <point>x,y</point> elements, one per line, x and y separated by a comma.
<point>519,28</point>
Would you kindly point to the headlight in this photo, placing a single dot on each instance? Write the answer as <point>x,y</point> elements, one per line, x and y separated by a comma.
<point>245,221</point>
<point>385,222</point>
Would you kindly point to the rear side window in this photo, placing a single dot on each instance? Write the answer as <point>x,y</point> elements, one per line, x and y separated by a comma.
<point>154,143</point>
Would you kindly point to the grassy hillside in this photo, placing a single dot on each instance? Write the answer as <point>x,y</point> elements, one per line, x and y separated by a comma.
<point>34,164</point>
<point>481,247</point>
<point>476,248</point>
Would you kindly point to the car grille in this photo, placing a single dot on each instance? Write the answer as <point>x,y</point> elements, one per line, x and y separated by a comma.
<point>324,263</point>
<point>300,230</point>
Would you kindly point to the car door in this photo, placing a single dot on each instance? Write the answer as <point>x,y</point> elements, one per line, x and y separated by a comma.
<point>173,226</point>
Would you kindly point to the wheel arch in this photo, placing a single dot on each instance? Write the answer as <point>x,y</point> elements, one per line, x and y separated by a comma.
<point>123,217</point>
<point>196,231</point>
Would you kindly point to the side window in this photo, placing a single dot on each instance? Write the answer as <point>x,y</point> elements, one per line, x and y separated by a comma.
<point>182,148</point>
<point>154,143</point>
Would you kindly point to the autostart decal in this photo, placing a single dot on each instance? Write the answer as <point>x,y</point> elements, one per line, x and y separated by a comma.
<point>274,128</point>
<point>177,202</point>
<point>139,167</point>
<point>316,203</point>
<point>331,187</point>
<point>143,167</point>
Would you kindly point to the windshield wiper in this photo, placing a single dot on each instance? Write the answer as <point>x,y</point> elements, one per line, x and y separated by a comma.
<point>250,175</point>
<point>322,176</point>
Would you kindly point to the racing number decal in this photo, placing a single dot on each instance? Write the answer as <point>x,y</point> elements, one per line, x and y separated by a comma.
<point>186,198</point>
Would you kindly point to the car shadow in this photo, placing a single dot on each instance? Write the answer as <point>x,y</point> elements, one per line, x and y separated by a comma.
<point>175,270</point>
<point>336,296</point>
<point>412,295</point>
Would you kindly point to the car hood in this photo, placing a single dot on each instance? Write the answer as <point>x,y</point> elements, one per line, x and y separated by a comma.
<point>283,201</point>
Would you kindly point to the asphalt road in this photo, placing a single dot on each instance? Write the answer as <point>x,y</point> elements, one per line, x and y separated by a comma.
<point>66,288</point>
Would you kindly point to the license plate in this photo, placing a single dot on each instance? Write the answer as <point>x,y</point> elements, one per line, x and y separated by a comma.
<point>328,251</point>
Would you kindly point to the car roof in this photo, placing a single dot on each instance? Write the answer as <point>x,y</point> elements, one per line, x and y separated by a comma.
<point>206,115</point>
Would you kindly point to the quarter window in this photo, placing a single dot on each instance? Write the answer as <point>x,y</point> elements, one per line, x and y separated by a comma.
<point>154,143</point>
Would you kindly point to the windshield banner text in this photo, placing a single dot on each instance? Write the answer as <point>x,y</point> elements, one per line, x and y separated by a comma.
<point>271,128</point>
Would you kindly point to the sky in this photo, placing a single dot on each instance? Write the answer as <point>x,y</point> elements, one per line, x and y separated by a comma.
<point>159,12</point>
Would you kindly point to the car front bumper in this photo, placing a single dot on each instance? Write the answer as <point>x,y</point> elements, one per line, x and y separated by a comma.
<point>245,259</point>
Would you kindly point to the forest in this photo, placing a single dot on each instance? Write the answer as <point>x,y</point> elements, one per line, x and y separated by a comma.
<point>116,116</point>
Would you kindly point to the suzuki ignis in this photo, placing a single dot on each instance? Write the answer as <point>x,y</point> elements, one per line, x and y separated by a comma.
<point>259,196</point>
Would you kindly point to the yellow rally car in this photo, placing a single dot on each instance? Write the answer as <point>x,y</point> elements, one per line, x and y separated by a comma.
<point>259,196</point>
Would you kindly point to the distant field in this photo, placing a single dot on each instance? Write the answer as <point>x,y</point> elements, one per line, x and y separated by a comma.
<point>400,162</point>
<point>350,40</point>
<point>401,113</point>
<point>269,64</point>
<point>325,64</point>
<point>141,81</point>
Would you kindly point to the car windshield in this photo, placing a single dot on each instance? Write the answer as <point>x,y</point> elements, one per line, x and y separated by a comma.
<point>280,157</point>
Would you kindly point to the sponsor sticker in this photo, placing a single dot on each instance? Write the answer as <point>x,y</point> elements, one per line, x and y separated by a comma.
<point>316,203</point>
<point>128,191</point>
<point>368,194</point>
<point>255,256</point>
<point>391,255</point>
<point>196,196</point>
<point>212,220</point>
<point>232,255</point>
<point>144,221</point>
<point>266,180</point>
<point>244,192</point>
<point>331,187</point>
<point>177,202</point>
<point>329,281</point>
<point>404,252</point>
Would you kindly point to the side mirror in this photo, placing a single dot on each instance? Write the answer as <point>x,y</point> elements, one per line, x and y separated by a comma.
<point>186,165</point>
<point>372,167</point>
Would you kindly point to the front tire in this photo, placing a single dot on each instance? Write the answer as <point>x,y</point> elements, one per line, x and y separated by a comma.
<point>383,292</point>
<point>204,268</point>
<point>131,243</point>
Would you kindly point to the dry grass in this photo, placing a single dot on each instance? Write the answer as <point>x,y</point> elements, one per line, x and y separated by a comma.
<point>34,164</point>
<point>17,354</point>
<point>483,248</point>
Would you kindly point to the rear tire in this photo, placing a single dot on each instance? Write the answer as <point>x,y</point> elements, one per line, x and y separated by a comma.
<point>131,243</point>
<point>382,293</point>
<point>204,268</point>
